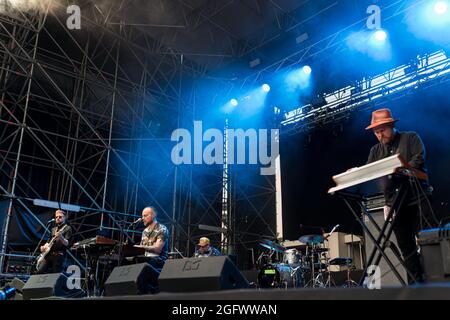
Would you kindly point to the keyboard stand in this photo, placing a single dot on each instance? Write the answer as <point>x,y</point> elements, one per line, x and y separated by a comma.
<point>382,241</point>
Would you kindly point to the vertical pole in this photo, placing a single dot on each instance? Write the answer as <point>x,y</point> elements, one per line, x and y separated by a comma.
<point>5,228</point>
<point>226,217</point>
<point>278,202</point>
<point>174,198</point>
<point>111,121</point>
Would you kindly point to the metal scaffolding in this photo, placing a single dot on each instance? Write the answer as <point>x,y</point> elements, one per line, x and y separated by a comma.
<point>86,118</point>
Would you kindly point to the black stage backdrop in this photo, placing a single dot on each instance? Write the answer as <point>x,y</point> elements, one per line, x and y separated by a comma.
<point>309,160</point>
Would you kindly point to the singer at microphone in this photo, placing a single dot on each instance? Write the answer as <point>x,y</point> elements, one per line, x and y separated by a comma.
<point>55,250</point>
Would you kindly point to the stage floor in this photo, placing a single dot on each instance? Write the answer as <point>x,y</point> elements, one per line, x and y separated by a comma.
<point>438,291</point>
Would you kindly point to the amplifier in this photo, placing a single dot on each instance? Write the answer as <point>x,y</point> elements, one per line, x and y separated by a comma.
<point>374,203</point>
<point>435,250</point>
<point>19,263</point>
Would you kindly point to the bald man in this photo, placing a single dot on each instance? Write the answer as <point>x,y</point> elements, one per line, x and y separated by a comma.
<point>155,242</point>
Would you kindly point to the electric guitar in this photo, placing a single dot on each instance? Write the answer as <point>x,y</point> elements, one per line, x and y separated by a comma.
<point>41,258</point>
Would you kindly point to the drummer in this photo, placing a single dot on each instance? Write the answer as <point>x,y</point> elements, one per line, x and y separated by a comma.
<point>205,249</point>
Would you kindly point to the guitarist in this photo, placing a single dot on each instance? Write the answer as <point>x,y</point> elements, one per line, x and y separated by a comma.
<point>62,232</point>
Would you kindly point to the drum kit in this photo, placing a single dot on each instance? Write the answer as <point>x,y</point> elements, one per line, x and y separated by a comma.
<point>305,265</point>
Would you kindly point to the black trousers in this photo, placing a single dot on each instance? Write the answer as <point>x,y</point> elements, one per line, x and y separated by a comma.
<point>53,263</point>
<point>408,223</point>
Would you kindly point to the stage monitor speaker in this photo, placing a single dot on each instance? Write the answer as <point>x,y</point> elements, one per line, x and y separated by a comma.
<point>131,280</point>
<point>388,277</point>
<point>17,284</point>
<point>201,274</point>
<point>45,285</point>
<point>435,249</point>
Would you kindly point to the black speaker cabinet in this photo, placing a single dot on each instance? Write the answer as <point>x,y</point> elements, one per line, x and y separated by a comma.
<point>45,285</point>
<point>388,277</point>
<point>435,250</point>
<point>131,280</point>
<point>201,274</point>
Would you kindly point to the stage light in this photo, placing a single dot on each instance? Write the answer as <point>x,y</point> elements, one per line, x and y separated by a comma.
<point>234,102</point>
<point>297,80</point>
<point>266,87</point>
<point>441,7</point>
<point>307,69</point>
<point>430,22</point>
<point>380,35</point>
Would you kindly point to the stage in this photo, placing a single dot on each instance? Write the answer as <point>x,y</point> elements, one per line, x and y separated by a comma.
<point>438,291</point>
<point>209,145</point>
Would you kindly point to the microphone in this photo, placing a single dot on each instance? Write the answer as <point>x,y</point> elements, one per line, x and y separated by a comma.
<point>51,220</point>
<point>136,221</point>
<point>331,232</point>
<point>334,229</point>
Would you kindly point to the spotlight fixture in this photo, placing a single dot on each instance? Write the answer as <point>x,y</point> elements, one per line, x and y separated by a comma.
<point>307,69</point>
<point>441,7</point>
<point>380,35</point>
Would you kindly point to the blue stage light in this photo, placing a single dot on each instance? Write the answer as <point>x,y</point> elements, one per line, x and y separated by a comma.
<point>266,87</point>
<point>307,69</point>
<point>441,7</point>
<point>380,35</point>
<point>234,102</point>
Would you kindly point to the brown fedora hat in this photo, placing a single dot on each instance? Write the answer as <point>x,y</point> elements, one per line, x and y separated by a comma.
<point>380,117</point>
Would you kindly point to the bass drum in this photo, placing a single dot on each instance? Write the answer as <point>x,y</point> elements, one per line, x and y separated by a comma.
<point>269,276</point>
<point>280,275</point>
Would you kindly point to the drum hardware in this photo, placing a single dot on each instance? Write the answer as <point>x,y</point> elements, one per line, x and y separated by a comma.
<point>287,272</point>
<point>312,239</point>
<point>292,256</point>
<point>348,263</point>
<point>272,245</point>
<point>317,261</point>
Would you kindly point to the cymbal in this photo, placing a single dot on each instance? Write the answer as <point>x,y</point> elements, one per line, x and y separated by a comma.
<point>341,261</point>
<point>312,239</point>
<point>294,245</point>
<point>271,245</point>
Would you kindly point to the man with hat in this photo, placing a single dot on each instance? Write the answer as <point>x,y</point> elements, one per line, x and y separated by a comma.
<point>205,249</point>
<point>408,221</point>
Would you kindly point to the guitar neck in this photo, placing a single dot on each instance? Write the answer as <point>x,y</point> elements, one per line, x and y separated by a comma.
<point>56,236</point>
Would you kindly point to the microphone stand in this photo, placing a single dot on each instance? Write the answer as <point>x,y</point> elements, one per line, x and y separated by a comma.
<point>182,257</point>
<point>121,239</point>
